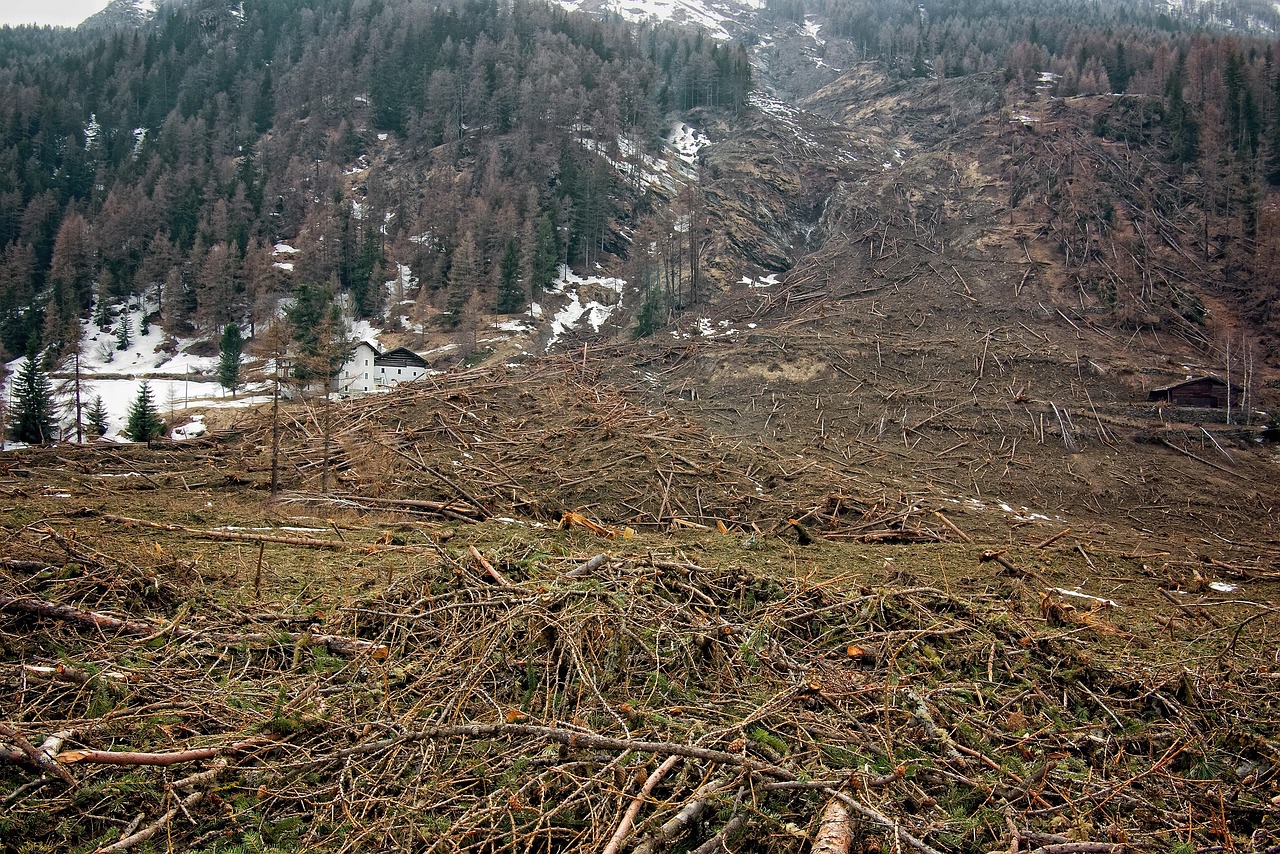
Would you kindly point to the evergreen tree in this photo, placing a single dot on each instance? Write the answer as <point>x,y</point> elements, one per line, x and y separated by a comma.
<point>97,416</point>
<point>465,277</point>
<point>317,326</point>
<point>545,264</point>
<point>1273,136</point>
<point>510,291</point>
<point>124,334</point>
<point>144,423</point>
<point>229,349</point>
<point>33,403</point>
<point>102,313</point>
<point>1184,131</point>
<point>650,310</point>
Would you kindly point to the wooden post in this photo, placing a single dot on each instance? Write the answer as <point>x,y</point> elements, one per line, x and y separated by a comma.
<point>275,434</point>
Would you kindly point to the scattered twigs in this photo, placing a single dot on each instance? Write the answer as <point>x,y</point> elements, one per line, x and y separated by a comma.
<point>541,708</point>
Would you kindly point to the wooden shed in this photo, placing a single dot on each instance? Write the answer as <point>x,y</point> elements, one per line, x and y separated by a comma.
<point>1207,391</point>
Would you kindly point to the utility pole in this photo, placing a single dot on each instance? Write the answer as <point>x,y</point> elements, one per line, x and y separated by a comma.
<point>275,433</point>
<point>79,407</point>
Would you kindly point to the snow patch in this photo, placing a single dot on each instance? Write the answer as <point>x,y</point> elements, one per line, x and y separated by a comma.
<point>812,29</point>
<point>711,18</point>
<point>686,142</point>
<point>572,314</point>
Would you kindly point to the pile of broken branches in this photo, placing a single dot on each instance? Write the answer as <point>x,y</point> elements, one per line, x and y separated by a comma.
<point>519,701</point>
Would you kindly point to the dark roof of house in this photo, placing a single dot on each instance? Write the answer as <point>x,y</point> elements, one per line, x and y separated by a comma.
<point>1211,380</point>
<point>400,357</point>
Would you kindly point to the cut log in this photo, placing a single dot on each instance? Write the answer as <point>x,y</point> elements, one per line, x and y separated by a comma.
<point>835,833</point>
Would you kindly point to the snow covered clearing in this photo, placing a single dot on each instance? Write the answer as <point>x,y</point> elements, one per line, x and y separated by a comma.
<point>572,314</point>
<point>637,166</point>
<point>813,30</point>
<point>760,281</point>
<point>709,15</point>
<point>686,142</point>
<point>704,327</point>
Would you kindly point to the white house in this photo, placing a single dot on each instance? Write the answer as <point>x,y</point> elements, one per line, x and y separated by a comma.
<point>357,375</point>
<point>369,369</point>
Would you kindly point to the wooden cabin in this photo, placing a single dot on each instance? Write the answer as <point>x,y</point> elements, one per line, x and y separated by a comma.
<point>1208,392</point>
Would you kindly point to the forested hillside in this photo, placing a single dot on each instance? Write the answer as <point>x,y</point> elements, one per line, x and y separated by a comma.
<point>1139,143</point>
<point>165,161</point>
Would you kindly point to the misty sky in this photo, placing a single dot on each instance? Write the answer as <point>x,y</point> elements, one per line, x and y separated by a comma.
<point>67,13</point>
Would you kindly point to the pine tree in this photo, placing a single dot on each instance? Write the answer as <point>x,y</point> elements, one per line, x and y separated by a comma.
<point>510,291</point>
<point>99,423</point>
<point>465,274</point>
<point>229,349</point>
<point>144,424</point>
<point>316,323</point>
<point>1184,131</point>
<point>102,313</point>
<point>1273,136</point>
<point>124,332</point>
<point>33,403</point>
<point>545,264</point>
<point>650,309</point>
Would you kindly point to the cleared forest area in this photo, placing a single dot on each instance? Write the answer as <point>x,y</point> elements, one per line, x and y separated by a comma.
<point>536,609</point>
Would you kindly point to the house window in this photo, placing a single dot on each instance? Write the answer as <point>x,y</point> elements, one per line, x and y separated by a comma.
<point>366,375</point>
<point>397,372</point>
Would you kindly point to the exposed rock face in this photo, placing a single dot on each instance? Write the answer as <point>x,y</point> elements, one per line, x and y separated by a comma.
<point>122,13</point>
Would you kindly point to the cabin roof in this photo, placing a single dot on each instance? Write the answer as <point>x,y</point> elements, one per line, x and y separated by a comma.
<point>1211,380</point>
<point>400,356</point>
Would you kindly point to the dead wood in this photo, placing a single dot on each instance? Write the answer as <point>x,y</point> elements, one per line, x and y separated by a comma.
<point>25,752</point>
<point>159,760</point>
<point>1210,463</point>
<point>106,623</point>
<point>226,535</point>
<point>835,834</point>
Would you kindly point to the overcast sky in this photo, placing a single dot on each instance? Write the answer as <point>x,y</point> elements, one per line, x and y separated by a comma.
<point>67,13</point>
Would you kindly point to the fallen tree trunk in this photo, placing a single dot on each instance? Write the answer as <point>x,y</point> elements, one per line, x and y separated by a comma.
<point>206,534</point>
<point>835,834</point>
<point>159,760</point>
<point>103,622</point>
